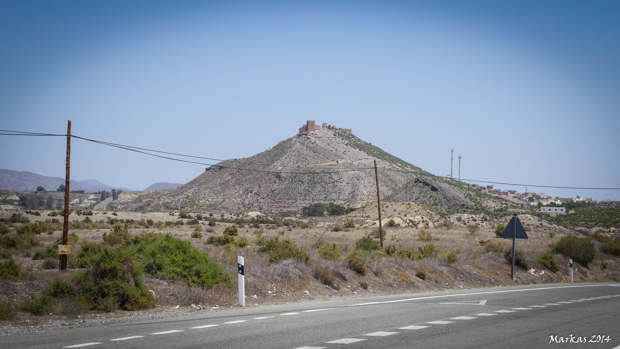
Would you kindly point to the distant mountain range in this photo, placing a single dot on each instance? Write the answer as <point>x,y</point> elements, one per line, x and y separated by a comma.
<point>163,186</point>
<point>28,181</point>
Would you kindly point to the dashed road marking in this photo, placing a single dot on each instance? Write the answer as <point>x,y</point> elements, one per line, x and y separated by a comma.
<point>263,317</point>
<point>125,338</point>
<point>463,318</point>
<point>521,308</point>
<point>82,345</point>
<point>204,326</point>
<point>313,310</point>
<point>505,311</point>
<point>381,334</point>
<point>235,322</point>
<point>439,322</point>
<point>346,341</point>
<point>413,327</point>
<point>565,302</point>
<point>311,348</point>
<point>552,304</point>
<point>166,332</point>
<point>287,314</point>
<point>486,314</point>
<point>538,306</point>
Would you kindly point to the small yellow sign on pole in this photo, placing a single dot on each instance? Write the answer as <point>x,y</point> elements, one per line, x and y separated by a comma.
<point>64,249</point>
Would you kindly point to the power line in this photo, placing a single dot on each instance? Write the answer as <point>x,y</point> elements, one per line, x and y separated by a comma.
<point>310,170</point>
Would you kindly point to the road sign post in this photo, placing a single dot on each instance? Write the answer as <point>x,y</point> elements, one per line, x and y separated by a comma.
<point>514,231</point>
<point>240,278</point>
<point>570,265</point>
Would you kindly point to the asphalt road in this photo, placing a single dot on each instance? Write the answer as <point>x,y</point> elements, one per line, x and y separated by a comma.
<point>535,316</point>
<point>103,204</point>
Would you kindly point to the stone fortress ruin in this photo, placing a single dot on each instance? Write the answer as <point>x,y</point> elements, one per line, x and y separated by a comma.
<point>311,126</point>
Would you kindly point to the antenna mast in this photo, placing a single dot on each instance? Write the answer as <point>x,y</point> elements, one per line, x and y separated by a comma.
<point>460,168</point>
<point>451,161</point>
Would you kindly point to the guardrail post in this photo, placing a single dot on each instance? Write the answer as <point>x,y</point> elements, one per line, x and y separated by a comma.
<point>240,278</point>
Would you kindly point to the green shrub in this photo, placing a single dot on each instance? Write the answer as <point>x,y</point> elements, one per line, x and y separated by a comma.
<point>281,250</point>
<point>499,229</point>
<point>6,311</point>
<point>59,288</point>
<point>197,235</point>
<point>17,218</point>
<point>446,225</point>
<point>5,255</point>
<point>118,235</point>
<point>349,224</point>
<point>336,228</point>
<point>548,261</point>
<point>519,258</point>
<point>72,239</point>
<point>304,225</point>
<point>579,249</point>
<point>86,255</point>
<point>10,270</point>
<point>357,260</point>
<point>428,250</point>
<point>4,229</point>
<point>211,222</point>
<point>391,223</point>
<point>41,305</point>
<point>241,242</point>
<point>231,231</point>
<point>473,229</point>
<point>113,281</point>
<point>221,240</point>
<point>183,213</point>
<point>53,214</point>
<point>168,257</point>
<point>367,243</point>
<point>494,246</point>
<point>425,236</point>
<point>551,234</point>
<point>611,247</point>
<point>450,256</point>
<point>19,242</point>
<point>330,252</point>
<point>50,252</point>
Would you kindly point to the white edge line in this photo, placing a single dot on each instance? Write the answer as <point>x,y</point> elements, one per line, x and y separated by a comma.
<point>125,338</point>
<point>205,326</point>
<point>82,345</point>
<point>313,310</point>
<point>235,322</point>
<point>166,332</point>
<point>287,314</point>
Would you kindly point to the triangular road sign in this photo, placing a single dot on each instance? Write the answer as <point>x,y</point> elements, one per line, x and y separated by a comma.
<point>509,231</point>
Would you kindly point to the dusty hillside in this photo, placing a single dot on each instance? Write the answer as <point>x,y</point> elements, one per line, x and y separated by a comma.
<point>325,165</point>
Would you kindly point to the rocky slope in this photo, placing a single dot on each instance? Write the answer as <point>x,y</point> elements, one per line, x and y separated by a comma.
<point>326,165</point>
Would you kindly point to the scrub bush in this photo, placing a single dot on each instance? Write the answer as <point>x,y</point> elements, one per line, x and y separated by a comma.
<point>579,249</point>
<point>548,261</point>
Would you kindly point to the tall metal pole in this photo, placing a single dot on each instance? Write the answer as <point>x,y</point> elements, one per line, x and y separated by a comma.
<point>460,168</point>
<point>514,238</point>
<point>65,228</point>
<point>451,162</point>
<point>379,206</point>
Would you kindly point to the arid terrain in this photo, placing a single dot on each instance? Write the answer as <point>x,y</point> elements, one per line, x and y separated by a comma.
<point>480,260</point>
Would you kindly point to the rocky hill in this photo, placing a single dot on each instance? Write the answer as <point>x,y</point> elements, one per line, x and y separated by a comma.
<point>323,165</point>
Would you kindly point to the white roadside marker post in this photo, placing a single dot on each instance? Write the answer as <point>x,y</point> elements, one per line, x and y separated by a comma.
<point>240,278</point>
<point>570,264</point>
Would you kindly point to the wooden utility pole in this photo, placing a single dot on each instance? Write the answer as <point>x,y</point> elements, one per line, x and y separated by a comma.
<point>379,206</point>
<point>65,228</point>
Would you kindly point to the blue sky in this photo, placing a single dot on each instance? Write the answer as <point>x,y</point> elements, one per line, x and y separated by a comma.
<point>527,92</point>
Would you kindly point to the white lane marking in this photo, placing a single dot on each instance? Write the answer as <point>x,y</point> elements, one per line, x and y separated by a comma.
<point>263,317</point>
<point>235,322</point>
<point>313,310</point>
<point>486,314</point>
<point>577,300</point>
<point>439,322</point>
<point>346,341</point>
<point>482,302</point>
<point>311,348</point>
<point>521,308</point>
<point>413,327</point>
<point>287,314</point>
<point>381,334</point>
<point>463,318</point>
<point>166,332</point>
<point>82,345</point>
<point>505,311</point>
<point>474,294</point>
<point>125,338</point>
<point>538,306</point>
<point>565,302</point>
<point>205,326</point>
<point>551,304</point>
